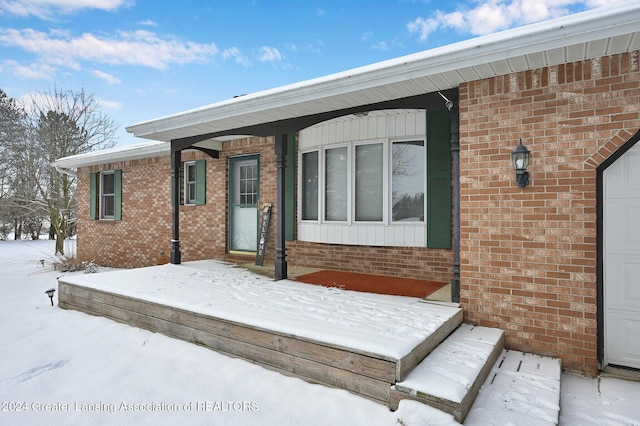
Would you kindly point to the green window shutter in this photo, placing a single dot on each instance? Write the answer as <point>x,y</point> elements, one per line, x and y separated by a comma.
<point>201,182</point>
<point>117,199</point>
<point>289,188</point>
<point>93,193</point>
<point>438,179</point>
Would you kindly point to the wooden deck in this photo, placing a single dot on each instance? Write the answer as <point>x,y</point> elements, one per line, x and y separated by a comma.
<point>365,373</point>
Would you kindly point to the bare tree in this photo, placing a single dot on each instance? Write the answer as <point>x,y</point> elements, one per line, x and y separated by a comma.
<point>62,123</point>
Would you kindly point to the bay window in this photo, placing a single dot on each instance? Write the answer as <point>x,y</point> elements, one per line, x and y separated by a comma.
<point>379,182</point>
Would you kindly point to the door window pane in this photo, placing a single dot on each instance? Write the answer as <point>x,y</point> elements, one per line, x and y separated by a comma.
<point>369,182</point>
<point>248,184</point>
<point>310,186</point>
<point>408,181</point>
<point>336,184</point>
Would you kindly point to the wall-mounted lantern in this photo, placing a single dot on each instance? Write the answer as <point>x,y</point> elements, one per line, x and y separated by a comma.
<point>520,160</point>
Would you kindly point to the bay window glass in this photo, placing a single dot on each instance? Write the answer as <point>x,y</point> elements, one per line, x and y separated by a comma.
<point>369,176</point>
<point>408,181</point>
<point>310,185</point>
<point>336,169</point>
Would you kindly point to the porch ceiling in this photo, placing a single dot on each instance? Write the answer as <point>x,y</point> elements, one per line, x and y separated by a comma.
<point>577,37</point>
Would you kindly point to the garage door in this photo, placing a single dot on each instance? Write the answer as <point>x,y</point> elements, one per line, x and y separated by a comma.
<point>622,260</point>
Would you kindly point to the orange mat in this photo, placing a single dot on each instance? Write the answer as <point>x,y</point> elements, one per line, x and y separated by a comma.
<point>372,283</point>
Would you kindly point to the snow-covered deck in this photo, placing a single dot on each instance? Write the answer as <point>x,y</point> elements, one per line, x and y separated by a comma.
<point>357,341</point>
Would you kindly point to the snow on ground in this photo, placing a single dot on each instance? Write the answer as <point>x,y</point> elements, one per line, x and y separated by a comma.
<point>64,367</point>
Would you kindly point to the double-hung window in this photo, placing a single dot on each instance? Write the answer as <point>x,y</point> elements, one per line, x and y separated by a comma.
<point>194,182</point>
<point>190,182</point>
<point>107,195</point>
<point>105,200</point>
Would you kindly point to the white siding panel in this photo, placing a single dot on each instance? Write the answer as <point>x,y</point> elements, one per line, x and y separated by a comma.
<point>391,125</point>
<point>389,236</point>
<point>399,236</point>
<point>380,240</point>
<point>421,236</point>
<point>411,124</point>
<point>323,233</point>
<point>353,235</point>
<point>401,125</point>
<point>340,131</point>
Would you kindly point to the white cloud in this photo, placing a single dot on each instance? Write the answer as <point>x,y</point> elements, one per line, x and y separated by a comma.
<point>148,23</point>
<point>381,45</point>
<point>113,105</point>
<point>140,47</point>
<point>366,36</point>
<point>488,16</point>
<point>235,54</point>
<point>47,9</point>
<point>109,78</point>
<point>34,71</point>
<point>270,54</point>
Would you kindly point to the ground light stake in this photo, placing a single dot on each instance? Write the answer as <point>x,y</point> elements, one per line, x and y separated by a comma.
<point>50,294</point>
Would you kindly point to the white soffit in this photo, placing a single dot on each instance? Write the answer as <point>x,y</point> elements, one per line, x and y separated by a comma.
<point>586,35</point>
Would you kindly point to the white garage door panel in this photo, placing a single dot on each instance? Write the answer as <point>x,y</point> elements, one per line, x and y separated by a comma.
<point>622,260</point>
<point>623,225</point>
<point>625,332</point>
<point>626,271</point>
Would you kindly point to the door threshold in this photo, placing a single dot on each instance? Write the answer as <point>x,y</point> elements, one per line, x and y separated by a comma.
<point>242,253</point>
<point>619,372</point>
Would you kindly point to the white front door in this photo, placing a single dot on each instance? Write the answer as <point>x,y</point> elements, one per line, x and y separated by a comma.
<point>622,260</point>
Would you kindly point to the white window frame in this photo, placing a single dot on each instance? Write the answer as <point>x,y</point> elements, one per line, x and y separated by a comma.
<point>385,183</point>
<point>322,159</point>
<point>320,185</point>
<point>390,179</point>
<point>103,195</point>
<point>189,186</point>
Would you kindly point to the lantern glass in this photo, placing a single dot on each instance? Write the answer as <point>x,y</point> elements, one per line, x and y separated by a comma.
<point>520,157</point>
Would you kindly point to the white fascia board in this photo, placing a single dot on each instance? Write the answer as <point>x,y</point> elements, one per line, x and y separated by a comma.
<point>125,153</point>
<point>563,32</point>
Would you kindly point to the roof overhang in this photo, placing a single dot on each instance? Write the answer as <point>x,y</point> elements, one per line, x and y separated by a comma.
<point>587,35</point>
<point>125,153</point>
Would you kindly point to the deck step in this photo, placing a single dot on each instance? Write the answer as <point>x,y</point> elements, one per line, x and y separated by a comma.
<point>521,389</point>
<point>450,377</point>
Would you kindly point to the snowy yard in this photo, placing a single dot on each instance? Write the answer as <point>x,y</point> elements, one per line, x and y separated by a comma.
<point>65,367</point>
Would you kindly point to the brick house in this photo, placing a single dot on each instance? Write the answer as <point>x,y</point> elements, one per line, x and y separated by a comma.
<point>404,168</point>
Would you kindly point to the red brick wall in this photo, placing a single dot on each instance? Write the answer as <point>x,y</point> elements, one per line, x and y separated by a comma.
<point>407,262</point>
<point>529,255</point>
<point>143,236</point>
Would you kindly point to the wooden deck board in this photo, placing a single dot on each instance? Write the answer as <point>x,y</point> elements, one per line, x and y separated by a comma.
<point>366,374</point>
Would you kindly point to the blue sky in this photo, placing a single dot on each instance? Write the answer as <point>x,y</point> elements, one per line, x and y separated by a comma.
<point>148,58</point>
